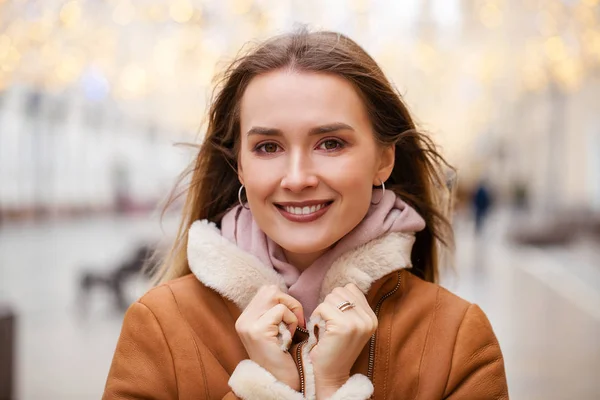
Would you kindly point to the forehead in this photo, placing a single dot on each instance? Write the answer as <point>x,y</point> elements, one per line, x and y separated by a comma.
<point>289,99</point>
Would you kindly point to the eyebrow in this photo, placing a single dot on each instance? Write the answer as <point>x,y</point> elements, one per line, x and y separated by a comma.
<point>318,130</point>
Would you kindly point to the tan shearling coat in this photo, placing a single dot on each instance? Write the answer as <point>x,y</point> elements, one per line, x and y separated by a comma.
<point>179,341</point>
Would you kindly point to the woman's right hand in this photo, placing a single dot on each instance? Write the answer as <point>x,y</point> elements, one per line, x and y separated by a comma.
<point>258,327</point>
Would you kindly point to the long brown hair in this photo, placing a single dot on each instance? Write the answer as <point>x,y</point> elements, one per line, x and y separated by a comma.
<point>213,182</point>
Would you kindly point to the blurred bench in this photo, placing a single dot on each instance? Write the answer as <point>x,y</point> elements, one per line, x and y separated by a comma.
<point>560,229</point>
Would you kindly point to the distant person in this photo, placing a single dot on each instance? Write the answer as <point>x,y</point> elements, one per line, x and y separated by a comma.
<point>307,255</point>
<point>482,202</point>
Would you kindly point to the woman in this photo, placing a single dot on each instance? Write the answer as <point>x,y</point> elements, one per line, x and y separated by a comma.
<point>306,256</point>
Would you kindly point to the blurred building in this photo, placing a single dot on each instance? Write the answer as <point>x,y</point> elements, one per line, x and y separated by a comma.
<point>94,93</point>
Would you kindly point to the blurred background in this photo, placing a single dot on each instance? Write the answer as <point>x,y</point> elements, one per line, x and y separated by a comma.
<point>94,95</point>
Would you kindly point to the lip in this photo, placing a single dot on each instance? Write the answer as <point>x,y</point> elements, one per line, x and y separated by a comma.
<point>307,203</point>
<point>304,217</point>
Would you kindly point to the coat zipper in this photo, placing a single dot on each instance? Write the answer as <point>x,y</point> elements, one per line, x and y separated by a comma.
<point>300,365</point>
<point>372,340</point>
<point>302,329</point>
<point>299,358</point>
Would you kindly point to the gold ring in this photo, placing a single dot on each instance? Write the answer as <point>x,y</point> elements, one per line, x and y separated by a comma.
<point>346,305</point>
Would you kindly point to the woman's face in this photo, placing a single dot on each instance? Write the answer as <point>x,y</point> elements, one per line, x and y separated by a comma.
<point>308,160</point>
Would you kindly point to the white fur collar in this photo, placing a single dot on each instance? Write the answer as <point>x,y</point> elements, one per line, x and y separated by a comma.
<point>237,275</point>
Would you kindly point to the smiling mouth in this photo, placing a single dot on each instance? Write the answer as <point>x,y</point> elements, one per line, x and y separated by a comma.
<point>306,210</point>
<point>303,212</point>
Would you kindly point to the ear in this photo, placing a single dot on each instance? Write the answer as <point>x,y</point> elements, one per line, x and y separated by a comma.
<point>386,165</point>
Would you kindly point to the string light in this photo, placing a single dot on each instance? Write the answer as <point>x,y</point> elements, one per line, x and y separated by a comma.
<point>240,7</point>
<point>181,11</point>
<point>58,44</point>
<point>490,15</point>
<point>70,14</point>
<point>568,73</point>
<point>555,48</point>
<point>133,81</point>
<point>534,78</point>
<point>156,13</point>
<point>123,13</point>
<point>10,60</point>
<point>546,23</point>
<point>5,46</point>
<point>592,43</point>
<point>69,68</point>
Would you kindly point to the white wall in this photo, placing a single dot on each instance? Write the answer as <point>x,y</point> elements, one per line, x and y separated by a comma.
<point>69,161</point>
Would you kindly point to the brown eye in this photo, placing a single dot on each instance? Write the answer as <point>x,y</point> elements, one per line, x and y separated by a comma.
<point>269,147</point>
<point>330,144</point>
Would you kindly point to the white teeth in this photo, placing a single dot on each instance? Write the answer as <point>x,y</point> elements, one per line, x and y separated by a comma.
<point>303,210</point>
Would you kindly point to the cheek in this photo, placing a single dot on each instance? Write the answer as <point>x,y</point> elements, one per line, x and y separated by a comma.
<point>352,174</point>
<point>260,177</point>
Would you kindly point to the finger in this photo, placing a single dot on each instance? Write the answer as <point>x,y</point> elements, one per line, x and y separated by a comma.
<point>338,297</point>
<point>344,294</point>
<point>333,301</point>
<point>269,295</point>
<point>362,312</point>
<point>293,305</point>
<point>351,291</point>
<point>357,293</point>
<point>277,314</point>
<point>362,299</point>
<point>263,300</point>
<point>327,312</point>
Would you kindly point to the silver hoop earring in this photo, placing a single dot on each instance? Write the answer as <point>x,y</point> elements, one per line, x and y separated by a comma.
<point>382,193</point>
<point>240,197</point>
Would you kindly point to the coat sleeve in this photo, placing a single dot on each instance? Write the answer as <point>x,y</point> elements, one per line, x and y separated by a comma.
<point>142,366</point>
<point>477,369</point>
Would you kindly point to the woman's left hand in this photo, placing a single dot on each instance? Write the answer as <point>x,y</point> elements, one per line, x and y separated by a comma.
<point>346,334</point>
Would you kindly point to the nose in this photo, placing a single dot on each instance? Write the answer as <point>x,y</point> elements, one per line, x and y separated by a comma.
<point>299,173</point>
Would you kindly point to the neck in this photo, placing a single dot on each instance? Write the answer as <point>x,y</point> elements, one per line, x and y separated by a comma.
<point>302,260</point>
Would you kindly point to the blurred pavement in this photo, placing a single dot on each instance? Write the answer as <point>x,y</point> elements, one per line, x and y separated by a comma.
<point>544,305</point>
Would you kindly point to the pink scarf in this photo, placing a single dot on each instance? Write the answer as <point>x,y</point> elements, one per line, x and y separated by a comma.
<point>391,214</point>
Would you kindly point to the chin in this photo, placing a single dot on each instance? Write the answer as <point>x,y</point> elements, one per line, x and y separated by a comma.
<point>300,247</point>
